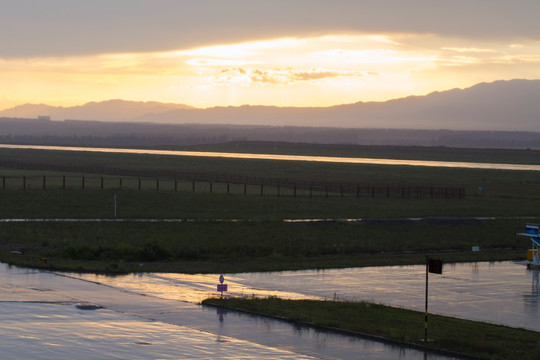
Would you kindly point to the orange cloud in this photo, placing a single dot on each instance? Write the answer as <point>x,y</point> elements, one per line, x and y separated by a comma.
<point>273,77</point>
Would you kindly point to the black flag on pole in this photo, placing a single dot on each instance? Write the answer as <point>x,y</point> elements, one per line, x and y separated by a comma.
<point>435,266</point>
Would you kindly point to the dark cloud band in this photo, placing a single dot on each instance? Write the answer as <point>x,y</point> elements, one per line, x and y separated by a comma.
<point>65,27</point>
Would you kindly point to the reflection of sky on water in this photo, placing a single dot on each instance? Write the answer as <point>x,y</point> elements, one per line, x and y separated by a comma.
<point>349,160</point>
<point>39,319</point>
<point>185,287</point>
<point>52,331</point>
<point>502,292</point>
<point>531,300</point>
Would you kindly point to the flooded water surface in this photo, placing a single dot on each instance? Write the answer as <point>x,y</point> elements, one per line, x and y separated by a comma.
<point>503,292</point>
<point>348,160</point>
<point>48,315</point>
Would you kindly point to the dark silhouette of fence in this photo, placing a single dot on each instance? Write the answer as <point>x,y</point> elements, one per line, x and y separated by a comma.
<point>264,185</point>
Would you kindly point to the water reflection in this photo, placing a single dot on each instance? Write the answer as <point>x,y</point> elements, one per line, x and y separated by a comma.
<point>53,331</point>
<point>186,287</point>
<point>531,300</point>
<point>221,314</point>
<point>451,164</point>
<point>39,319</point>
<point>493,292</point>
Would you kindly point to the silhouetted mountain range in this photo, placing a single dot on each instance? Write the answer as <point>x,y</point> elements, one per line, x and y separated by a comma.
<point>502,106</point>
<point>110,110</point>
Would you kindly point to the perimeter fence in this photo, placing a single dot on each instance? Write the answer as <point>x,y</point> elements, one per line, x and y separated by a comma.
<point>164,180</point>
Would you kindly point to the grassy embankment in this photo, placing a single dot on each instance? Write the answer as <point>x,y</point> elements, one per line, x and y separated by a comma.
<point>262,240</point>
<point>481,340</point>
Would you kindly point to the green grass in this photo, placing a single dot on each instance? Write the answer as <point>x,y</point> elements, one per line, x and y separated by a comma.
<point>261,241</point>
<point>462,336</point>
<point>493,182</point>
<point>259,245</point>
<point>150,203</point>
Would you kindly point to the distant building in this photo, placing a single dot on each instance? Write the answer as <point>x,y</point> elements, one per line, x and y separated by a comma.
<point>44,117</point>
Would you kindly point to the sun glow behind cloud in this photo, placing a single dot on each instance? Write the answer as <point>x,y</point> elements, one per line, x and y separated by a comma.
<point>316,71</point>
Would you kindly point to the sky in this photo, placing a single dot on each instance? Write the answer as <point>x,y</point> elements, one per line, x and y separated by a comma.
<point>208,53</point>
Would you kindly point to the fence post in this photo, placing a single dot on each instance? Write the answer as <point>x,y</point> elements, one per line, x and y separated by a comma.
<point>228,188</point>
<point>157,184</point>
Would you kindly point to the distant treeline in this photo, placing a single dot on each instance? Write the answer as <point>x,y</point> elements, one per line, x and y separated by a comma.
<point>95,133</point>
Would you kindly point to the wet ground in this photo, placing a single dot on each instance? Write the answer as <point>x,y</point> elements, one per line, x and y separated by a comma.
<point>47,315</point>
<point>502,292</point>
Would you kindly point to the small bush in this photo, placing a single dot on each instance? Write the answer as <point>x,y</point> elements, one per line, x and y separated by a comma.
<point>153,251</point>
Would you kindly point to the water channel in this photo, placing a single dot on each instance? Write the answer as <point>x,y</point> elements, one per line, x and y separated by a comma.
<point>349,160</point>
<point>157,315</point>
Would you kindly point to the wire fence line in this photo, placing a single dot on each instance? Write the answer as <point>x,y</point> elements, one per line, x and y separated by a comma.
<point>207,182</point>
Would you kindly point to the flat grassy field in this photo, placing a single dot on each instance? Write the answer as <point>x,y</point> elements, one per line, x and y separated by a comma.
<point>227,228</point>
<point>481,340</point>
<point>236,231</point>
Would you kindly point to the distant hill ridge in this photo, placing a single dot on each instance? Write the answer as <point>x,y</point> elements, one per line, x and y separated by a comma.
<point>109,110</point>
<point>512,105</point>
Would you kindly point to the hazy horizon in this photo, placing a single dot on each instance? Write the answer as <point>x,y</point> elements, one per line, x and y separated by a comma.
<point>307,53</point>
<point>498,106</point>
<point>90,101</point>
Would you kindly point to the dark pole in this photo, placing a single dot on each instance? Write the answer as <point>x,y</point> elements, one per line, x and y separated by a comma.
<point>426,314</point>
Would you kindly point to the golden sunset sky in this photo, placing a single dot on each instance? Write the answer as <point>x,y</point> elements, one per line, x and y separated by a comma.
<point>279,52</point>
